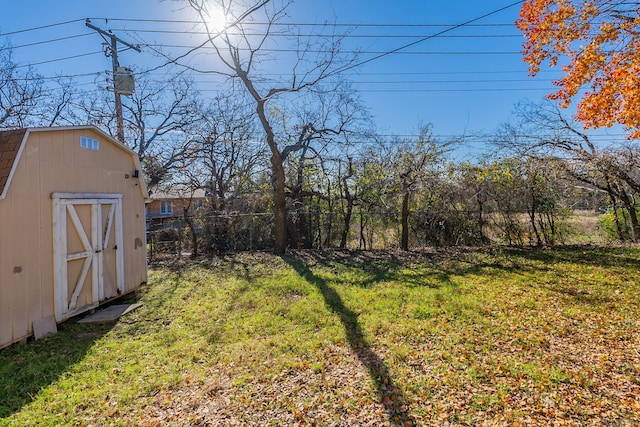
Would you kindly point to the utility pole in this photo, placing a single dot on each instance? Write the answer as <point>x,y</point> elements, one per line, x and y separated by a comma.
<point>112,50</point>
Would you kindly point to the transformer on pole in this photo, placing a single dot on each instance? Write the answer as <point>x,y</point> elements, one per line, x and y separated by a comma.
<point>123,80</point>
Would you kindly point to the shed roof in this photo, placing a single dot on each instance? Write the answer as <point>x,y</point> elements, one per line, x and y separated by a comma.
<point>10,142</point>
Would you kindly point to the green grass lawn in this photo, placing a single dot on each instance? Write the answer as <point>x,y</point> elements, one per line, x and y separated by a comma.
<point>503,337</point>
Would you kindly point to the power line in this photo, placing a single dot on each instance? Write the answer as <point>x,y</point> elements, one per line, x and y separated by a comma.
<point>377,82</point>
<point>378,54</point>
<point>395,73</point>
<point>358,75</point>
<point>415,90</point>
<point>310,24</point>
<point>38,43</point>
<point>408,45</point>
<point>345,36</point>
<point>117,90</point>
<point>41,27</point>
<point>232,25</point>
<point>421,73</point>
<point>384,82</point>
<point>345,68</point>
<point>370,52</point>
<point>68,76</point>
<point>58,59</point>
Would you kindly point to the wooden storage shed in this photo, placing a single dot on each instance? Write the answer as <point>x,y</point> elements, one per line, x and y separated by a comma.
<point>72,225</point>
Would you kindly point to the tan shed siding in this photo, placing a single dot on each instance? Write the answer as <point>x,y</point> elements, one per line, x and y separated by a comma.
<point>117,177</point>
<point>27,209</point>
<point>47,293</point>
<point>50,147</point>
<point>53,161</point>
<point>133,223</point>
<point>107,169</point>
<point>134,231</point>
<point>21,243</point>
<point>6,324</point>
<point>51,166</point>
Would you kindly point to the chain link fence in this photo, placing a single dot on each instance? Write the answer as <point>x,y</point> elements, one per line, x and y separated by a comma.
<point>217,234</point>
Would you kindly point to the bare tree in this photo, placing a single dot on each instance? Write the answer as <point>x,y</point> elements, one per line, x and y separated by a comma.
<point>324,124</point>
<point>243,56</point>
<point>374,187</point>
<point>542,130</point>
<point>94,108</point>
<point>415,163</point>
<point>21,89</point>
<point>56,106</point>
<point>158,119</point>
<point>473,183</point>
<point>349,193</point>
<point>223,159</point>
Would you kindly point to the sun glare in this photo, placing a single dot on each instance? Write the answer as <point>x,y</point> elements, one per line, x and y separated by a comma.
<point>217,20</point>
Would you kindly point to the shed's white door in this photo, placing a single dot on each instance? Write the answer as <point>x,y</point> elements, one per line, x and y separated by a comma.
<point>87,251</point>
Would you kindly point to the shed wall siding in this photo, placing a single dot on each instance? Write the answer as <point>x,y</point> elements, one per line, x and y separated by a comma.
<point>6,322</point>
<point>53,161</point>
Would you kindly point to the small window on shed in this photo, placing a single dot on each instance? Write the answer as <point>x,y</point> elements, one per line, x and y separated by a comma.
<point>89,143</point>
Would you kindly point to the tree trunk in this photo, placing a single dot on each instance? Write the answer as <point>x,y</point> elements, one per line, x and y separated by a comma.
<point>635,225</point>
<point>279,205</point>
<point>347,223</point>
<point>532,220</point>
<point>194,236</point>
<point>278,177</point>
<point>616,219</point>
<point>363,240</point>
<point>350,199</point>
<point>404,220</point>
<point>298,220</point>
<point>277,168</point>
<point>483,238</point>
<point>536,233</point>
<point>329,223</point>
<point>633,216</point>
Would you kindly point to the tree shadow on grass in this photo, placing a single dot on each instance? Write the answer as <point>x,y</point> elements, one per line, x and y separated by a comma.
<point>390,394</point>
<point>26,369</point>
<point>587,255</point>
<point>434,268</point>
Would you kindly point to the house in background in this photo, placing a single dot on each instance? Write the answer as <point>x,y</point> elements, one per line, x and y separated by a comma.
<point>168,206</point>
<point>72,225</point>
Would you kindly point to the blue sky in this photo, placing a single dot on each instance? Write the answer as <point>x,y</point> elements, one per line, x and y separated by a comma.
<point>465,81</point>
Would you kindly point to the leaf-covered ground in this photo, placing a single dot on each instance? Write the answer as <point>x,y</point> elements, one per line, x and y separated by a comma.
<point>503,337</point>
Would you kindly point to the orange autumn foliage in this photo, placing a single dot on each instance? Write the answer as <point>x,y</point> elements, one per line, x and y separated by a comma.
<point>596,42</point>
